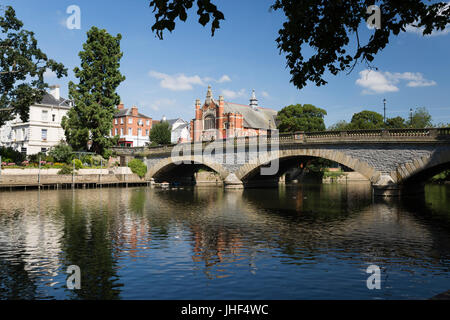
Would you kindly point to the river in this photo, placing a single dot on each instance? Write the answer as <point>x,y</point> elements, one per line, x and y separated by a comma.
<point>295,242</point>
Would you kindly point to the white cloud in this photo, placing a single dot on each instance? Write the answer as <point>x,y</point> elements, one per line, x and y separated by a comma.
<point>224,78</point>
<point>230,94</point>
<point>375,82</point>
<point>162,103</point>
<point>178,82</point>
<point>181,82</point>
<point>49,74</point>
<point>265,94</point>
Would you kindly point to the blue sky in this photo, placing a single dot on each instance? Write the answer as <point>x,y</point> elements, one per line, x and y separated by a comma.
<point>164,77</point>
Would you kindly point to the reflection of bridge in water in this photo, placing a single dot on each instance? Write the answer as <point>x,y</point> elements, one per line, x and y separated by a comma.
<point>391,160</point>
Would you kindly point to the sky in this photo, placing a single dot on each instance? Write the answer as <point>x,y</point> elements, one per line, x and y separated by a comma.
<point>165,77</point>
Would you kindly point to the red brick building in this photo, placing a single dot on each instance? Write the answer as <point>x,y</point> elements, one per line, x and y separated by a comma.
<point>221,119</point>
<point>132,127</point>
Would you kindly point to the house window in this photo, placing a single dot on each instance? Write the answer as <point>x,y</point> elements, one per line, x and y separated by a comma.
<point>44,134</point>
<point>117,132</point>
<point>53,117</point>
<point>121,120</point>
<point>44,150</point>
<point>121,131</point>
<point>130,120</point>
<point>146,132</point>
<point>115,121</point>
<point>129,132</point>
<point>139,132</point>
<point>44,115</point>
<point>23,150</point>
<point>210,123</point>
<point>148,122</point>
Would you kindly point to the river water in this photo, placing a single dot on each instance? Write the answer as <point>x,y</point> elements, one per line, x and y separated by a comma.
<point>295,242</point>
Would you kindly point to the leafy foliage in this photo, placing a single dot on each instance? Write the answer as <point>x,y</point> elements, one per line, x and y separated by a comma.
<point>11,155</point>
<point>95,96</point>
<point>366,120</point>
<point>62,152</point>
<point>301,118</point>
<point>66,169</point>
<point>421,118</point>
<point>138,167</point>
<point>160,133</point>
<point>325,26</point>
<point>22,68</point>
<point>396,123</point>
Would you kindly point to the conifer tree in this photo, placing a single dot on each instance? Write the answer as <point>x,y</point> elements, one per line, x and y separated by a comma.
<point>95,96</point>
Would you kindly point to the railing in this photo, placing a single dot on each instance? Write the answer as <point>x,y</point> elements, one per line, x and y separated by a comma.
<point>391,135</point>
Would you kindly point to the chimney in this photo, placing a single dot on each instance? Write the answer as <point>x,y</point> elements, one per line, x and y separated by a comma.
<point>120,106</point>
<point>198,111</point>
<point>134,111</point>
<point>54,91</point>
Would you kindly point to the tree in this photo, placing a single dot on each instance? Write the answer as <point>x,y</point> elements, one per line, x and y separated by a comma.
<point>366,120</point>
<point>395,123</point>
<point>160,133</point>
<point>326,26</point>
<point>22,68</point>
<point>301,118</point>
<point>62,152</point>
<point>95,96</point>
<point>421,118</point>
<point>341,125</point>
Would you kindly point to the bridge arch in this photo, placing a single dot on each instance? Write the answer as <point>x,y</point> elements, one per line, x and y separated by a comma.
<point>168,163</point>
<point>421,169</point>
<point>355,164</point>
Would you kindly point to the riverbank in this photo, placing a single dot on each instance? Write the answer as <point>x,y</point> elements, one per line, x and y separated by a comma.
<point>83,178</point>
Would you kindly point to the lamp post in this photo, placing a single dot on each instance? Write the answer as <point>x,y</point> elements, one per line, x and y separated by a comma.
<point>410,117</point>
<point>384,114</point>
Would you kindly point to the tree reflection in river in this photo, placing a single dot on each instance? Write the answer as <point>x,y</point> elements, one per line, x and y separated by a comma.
<point>310,241</point>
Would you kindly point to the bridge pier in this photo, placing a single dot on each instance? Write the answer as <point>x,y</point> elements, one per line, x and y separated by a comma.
<point>233,182</point>
<point>386,187</point>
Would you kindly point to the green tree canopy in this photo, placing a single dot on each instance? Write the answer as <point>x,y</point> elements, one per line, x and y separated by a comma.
<point>95,95</point>
<point>301,118</point>
<point>326,27</point>
<point>341,125</point>
<point>160,133</point>
<point>22,68</point>
<point>421,118</point>
<point>366,120</point>
<point>396,123</point>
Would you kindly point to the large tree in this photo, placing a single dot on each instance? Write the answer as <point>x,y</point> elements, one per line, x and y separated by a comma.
<point>22,68</point>
<point>366,120</point>
<point>325,26</point>
<point>301,118</point>
<point>421,118</point>
<point>95,95</point>
<point>395,123</point>
<point>160,133</point>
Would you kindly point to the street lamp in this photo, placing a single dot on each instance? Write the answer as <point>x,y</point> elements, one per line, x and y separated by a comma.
<point>410,117</point>
<point>384,117</point>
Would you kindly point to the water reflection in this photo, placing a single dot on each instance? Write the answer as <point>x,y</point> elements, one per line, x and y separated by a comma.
<point>311,241</point>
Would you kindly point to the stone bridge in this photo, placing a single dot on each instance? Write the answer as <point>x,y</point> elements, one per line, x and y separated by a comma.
<point>392,160</point>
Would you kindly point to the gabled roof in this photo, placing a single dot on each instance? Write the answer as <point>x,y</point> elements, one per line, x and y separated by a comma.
<point>48,99</point>
<point>256,118</point>
<point>173,121</point>
<point>127,112</point>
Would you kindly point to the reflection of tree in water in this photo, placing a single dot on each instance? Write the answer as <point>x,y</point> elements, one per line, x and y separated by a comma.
<point>15,282</point>
<point>86,243</point>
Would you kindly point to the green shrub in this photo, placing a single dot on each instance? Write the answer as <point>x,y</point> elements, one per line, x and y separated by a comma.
<point>78,164</point>
<point>62,152</point>
<point>66,169</point>
<point>138,167</point>
<point>11,154</point>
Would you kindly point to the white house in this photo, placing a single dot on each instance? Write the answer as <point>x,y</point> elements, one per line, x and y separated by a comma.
<point>179,130</point>
<point>43,129</point>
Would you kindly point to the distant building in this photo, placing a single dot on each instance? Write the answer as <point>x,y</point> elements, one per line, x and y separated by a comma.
<point>43,129</point>
<point>220,119</point>
<point>179,130</point>
<point>132,127</point>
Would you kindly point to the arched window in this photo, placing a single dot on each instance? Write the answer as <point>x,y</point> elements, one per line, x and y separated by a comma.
<point>210,122</point>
